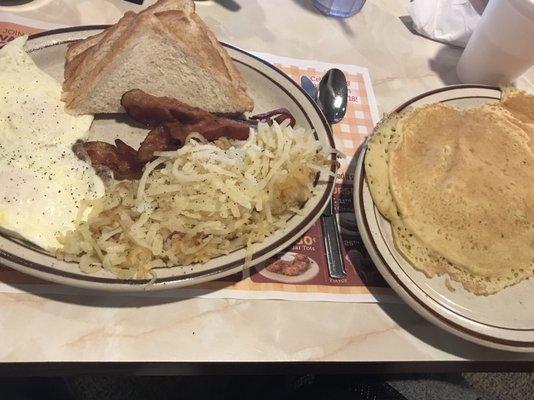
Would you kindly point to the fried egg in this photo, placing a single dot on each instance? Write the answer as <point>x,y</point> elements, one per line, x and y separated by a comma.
<point>43,185</point>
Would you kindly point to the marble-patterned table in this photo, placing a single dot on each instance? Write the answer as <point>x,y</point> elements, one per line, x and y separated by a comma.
<point>85,328</point>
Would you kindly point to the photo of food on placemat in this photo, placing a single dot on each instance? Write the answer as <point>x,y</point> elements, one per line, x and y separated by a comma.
<point>290,268</point>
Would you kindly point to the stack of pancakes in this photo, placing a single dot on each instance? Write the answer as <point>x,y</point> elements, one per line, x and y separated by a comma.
<point>457,187</point>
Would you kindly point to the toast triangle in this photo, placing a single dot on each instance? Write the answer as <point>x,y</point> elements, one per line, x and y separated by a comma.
<point>165,53</point>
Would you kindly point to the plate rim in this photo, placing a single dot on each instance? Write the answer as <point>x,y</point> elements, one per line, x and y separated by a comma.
<point>462,326</point>
<point>110,284</point>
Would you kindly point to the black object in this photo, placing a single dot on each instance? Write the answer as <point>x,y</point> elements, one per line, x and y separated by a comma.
<point>268,387</point>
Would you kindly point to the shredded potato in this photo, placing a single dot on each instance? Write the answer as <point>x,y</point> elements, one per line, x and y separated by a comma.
<point>199,202</point>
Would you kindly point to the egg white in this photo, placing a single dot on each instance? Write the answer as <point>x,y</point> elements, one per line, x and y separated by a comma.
<point>43,185</point>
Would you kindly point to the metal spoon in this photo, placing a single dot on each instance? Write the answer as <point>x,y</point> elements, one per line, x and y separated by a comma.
<point>331,97</point>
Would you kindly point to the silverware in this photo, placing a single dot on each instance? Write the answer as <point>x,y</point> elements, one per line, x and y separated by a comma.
<point>308,86</point>
<point>331,97</point>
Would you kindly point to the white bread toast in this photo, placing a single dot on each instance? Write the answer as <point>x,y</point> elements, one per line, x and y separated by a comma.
<point>85,54</point>
<point>165,50</point>
<point>80,46</point>
<point>76,52</point>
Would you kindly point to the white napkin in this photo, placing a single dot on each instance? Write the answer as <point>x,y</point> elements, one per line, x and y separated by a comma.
<point>449,21</point>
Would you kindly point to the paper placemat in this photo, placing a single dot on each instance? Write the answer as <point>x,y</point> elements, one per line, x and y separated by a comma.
<point>299,273</point>
<point>13,25</point>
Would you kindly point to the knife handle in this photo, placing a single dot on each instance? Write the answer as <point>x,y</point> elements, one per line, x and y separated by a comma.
<point>334,254</point>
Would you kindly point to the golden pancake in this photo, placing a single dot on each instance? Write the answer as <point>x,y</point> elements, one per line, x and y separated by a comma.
<point>520,104</point>
<point>462,182</point>
<point>381,145</point>
<point>383,140</point>
<point>431,263</point>
<point>385,137</point>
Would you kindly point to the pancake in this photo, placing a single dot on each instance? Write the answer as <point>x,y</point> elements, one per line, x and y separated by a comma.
<point>431,264</point>
<point>520,104</point>
<point>422,257</point>
<point>383,140</point>
<point>380,145</point>
<point>462,182</point>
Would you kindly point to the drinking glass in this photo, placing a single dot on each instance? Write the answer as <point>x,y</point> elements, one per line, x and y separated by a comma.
<point>502,46</point>
<point>339,8</point>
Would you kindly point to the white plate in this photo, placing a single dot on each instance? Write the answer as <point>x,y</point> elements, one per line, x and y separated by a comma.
<point>307,275</point>
<point>504,320</point>
<point>269,87</point>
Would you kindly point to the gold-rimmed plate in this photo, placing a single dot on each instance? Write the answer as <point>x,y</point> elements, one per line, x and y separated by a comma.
<point>269,87</point>
<point>504,320</point>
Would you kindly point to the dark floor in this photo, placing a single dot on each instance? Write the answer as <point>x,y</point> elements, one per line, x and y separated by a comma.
<point>478,386</point>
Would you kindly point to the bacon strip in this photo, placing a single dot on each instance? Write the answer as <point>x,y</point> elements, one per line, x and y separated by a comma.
<point>120,158</point>
<point>180,119</point>
<point>171,122</point>
<point>158,139</point>
<point>211,129</point>
<point>154,111</point>
<point>278,115</point>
